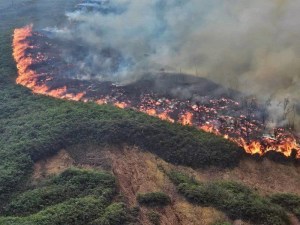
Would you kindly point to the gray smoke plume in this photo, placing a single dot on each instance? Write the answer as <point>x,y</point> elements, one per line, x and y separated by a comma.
<point>252,46</point>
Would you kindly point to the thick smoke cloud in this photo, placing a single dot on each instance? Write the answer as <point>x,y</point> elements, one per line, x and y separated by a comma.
<point>252,46</point>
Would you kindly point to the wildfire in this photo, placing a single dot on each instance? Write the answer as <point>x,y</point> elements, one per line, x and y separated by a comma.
<point>186,119</point>
<point>165,116</point>
<point>27,76</point>
<point>121,105</point>
<point>285,146</point>
<point>217,116</point>
<point>211,129</point>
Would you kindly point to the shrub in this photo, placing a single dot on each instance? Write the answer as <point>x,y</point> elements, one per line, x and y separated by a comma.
<point>179,178</point>
<point>154,199</point>
<point>79,211</point>
<point>115,214</point>
<point>236,200</point>
<point>291,202</point>
<point>76,196</point>
<point>72,183</point>
<point>153,217</point>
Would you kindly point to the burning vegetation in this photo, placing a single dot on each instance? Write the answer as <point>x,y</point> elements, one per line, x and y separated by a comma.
<point>43,69</point>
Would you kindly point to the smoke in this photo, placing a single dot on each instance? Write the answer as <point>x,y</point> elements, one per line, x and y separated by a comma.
<point>251,46</point>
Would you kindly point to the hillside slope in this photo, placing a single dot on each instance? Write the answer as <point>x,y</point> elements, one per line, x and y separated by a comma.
<point>138,172</point>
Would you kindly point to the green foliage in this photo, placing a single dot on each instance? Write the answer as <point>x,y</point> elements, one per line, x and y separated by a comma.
<point>79,211</point>
<point>154,199</point>
<point>179,178</point>
<point>70,184</point>
<point>115,214</point>
<point>236,200</point>
<point>153,217</point>
<point>291,202</point>
<point>76,196</point>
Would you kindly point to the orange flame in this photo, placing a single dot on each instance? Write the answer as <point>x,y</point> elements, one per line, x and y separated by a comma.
<point>186,119</point>
<point>101,101</point>
<point>165,116</point>
<point>162,116</point>
<point>28,77</point>
<point>151,112</point>
<point>285,146</point>
<point>121,105</point>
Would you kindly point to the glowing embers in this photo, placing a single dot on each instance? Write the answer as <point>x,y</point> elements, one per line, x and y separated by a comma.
<point>41,68</point>
<point>164,115</point>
